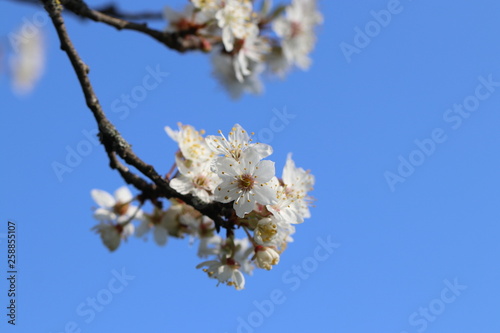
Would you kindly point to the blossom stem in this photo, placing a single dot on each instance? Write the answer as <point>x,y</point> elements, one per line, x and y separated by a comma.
<point>250,238</point>
<point>169,174</point>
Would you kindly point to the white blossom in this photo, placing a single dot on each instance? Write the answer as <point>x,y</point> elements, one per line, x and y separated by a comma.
<point>244,181</point>
<point>28,62</point>
<point>272,231</point>
<point>115,207</point>
<point>298,183</point>
<point>224,72</point>
<point>112,234</point>
<point>287,207</point>
<point>198,179</point>
<point>225,273</point>
<point>296,28</point>
<point>252,49</point>
<point>158,223</point>
<point>207,5</point>
<point>228,169</point>
<point>236,143</point>
<point>235,20</point>
<point>181,219</point>
<point>191,143</point>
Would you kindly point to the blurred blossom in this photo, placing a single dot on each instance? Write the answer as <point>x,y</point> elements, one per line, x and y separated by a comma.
<point>28,62</point>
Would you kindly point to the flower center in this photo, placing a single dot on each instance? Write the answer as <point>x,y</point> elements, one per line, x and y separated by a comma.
<point>120,208</point>
<point>200,182</point>
<point>266,230</point>
<point>246,182</point>
<point>296,29</point>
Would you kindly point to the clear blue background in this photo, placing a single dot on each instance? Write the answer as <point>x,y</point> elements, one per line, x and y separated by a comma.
<point>353,121</point>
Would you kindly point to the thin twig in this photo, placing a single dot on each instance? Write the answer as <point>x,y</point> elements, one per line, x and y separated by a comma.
<point>175,41</point>
<point>113,10</point>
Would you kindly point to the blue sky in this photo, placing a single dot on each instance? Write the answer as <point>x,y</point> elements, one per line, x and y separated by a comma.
<point>417,103</point>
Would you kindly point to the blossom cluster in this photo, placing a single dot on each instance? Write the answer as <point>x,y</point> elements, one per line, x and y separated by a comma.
<point>230,170</point>
<point>244,41</point>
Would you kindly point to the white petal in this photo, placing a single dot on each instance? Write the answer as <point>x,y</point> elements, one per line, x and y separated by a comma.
<point>275,183</point>
<point>264,171</point>
<point>239,70</point>
<point>136,212</point>
<point>227,190</point>
<point>123,194</point>
<point>245,205</point>
<point>103,198</point>
<point>142,229</point>
<point>224,273</point>
<point>122,219</point>
<point>227,167</point>
<point>263,149</point>
<point>160,235</point>
<point>110,237</point>
<point>215,143</point>
<point>239,280</point>
<point>102,214</point>
<point>172,133</point>
<point>227,39</point>
<point>239,135</point>
<point>211,264</point>
<point>264,194</point>
<point>285,213</point>
<point>203,195</point>
<point>251,154</point>
<point>128,230</point>
<point>205,263</point>
<point>181,184</point>
<point>181,165</point>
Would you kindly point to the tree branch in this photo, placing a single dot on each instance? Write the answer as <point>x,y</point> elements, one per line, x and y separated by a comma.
<point>175,41</point>
<point>113,10</point>
<point>115,144</point>
<point>181,41</point>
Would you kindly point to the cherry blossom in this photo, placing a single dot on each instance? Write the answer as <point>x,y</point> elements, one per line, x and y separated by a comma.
<point>228,169</point>
<point>244,181</point>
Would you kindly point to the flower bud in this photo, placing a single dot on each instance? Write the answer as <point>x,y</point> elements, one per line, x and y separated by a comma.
<point>265,257</point>
<point>205,44</point>
<point>265,231</point>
